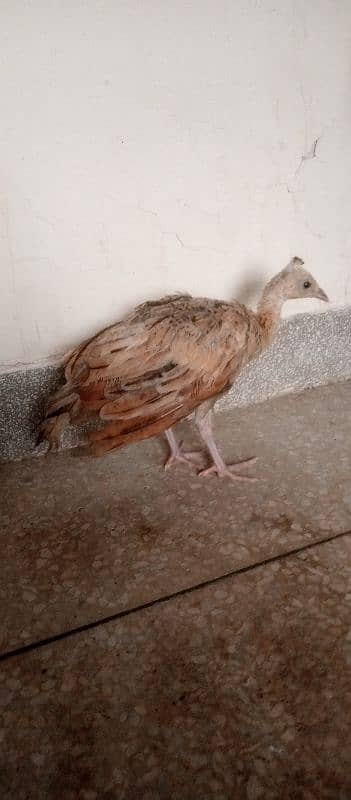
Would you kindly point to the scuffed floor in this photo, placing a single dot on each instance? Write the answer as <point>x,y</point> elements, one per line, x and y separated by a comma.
<point>236,690</point>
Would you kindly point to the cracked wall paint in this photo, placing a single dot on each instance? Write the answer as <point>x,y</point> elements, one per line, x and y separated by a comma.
<point>148,152</point>
<point>310,154</point>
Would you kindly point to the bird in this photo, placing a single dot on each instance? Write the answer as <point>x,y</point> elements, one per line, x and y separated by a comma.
<point>164,360</point>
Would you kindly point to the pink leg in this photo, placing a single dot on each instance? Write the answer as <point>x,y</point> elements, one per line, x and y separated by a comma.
<point>192,458</point>
<point>218,466</point>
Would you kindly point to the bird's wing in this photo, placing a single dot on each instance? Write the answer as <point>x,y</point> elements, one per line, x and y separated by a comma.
<point>146,372</point>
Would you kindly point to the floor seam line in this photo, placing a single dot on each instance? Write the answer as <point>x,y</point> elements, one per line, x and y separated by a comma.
<point>37,645</point>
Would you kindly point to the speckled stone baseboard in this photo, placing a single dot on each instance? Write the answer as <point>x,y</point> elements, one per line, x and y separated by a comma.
<point>311,350</point>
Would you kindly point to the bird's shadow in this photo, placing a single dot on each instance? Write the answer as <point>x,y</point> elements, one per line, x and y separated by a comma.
<point>249,288</point>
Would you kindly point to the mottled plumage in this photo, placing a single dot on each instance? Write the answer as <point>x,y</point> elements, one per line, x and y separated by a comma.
<point>150,370</point>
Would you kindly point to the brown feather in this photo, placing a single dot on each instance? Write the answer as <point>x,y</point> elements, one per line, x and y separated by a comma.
<point>150,370</point>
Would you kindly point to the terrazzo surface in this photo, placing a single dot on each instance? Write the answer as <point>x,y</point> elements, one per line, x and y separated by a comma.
<point>239,691</point>
<point>84,539</point>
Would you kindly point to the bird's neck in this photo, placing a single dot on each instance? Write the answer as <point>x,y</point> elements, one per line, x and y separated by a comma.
<point>269,310</point>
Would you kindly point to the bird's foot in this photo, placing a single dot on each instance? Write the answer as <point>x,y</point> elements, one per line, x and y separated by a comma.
<point>193,458</point>
<point>231,471</point>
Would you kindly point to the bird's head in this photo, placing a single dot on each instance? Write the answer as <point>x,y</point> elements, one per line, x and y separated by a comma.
<point>295,282</point>
<point>292,283</point>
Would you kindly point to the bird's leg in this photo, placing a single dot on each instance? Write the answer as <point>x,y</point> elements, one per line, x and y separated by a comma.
<point>218,466</point>
<point>193,458</point>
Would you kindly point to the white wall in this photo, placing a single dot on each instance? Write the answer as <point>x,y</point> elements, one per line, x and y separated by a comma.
<point>147,147</point>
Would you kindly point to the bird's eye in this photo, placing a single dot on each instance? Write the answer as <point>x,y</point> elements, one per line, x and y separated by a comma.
<point>307,285</point>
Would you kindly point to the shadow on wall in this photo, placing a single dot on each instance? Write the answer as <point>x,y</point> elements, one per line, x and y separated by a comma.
<point>250,288</point>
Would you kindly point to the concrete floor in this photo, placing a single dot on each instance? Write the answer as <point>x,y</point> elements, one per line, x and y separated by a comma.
<point>237,690</point>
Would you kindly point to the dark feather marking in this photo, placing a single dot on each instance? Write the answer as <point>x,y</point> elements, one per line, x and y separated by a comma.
<point>118,349</point>
<point>151,374</point>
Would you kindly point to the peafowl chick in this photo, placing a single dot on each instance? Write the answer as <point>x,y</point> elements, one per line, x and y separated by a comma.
<point>167,358</point>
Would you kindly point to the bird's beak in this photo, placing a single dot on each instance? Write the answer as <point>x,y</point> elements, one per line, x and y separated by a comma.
<point>322,296</point>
